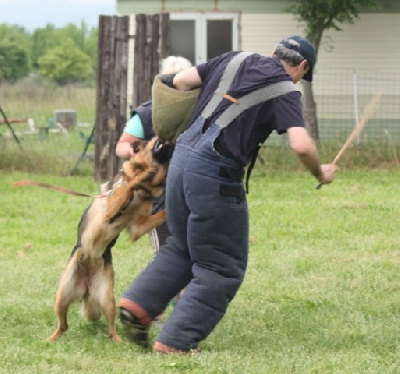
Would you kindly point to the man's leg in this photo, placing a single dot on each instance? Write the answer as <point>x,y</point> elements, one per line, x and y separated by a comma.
<point>217,241</point>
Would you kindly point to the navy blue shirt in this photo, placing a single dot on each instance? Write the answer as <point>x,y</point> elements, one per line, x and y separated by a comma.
<point>241,138</point>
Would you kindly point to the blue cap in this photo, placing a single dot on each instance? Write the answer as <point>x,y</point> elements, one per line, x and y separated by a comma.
<point>305,48</point>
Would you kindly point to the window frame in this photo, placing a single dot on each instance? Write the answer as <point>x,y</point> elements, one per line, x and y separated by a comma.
<point>200,30</point>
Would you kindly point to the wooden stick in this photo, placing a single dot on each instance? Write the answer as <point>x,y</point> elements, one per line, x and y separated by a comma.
<point>364,119</point>
<point>13,120</point>
<point>369,109</point>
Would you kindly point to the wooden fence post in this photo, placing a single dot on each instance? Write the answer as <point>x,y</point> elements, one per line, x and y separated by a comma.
<point>151,46</point>
<point>111,94</point>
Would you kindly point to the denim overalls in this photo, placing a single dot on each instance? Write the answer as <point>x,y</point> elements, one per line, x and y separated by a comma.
<point>207,216</point>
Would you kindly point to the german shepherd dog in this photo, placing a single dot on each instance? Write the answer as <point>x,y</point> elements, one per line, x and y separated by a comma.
<point>89,274</point>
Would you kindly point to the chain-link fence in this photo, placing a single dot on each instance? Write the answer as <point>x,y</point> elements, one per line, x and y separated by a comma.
<point>341,96</point>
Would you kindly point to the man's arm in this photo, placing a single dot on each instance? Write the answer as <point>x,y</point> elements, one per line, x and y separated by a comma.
<point>124,148</point>
<point>304,147</point>
<point>187,79</point>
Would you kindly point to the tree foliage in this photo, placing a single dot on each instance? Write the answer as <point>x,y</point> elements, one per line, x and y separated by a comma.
<point>21,51</point>
<point>65,63</point>
<point>321,15</point>
<point>42,40</point>
<point>14,62</point>
<point>14,52</point>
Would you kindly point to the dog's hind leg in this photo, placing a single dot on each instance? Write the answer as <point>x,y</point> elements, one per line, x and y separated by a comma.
<point>104,289</point>
<point>63,301</point>
<point>68,291</point>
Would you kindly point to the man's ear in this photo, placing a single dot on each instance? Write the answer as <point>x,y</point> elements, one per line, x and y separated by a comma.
<point>304,65</point>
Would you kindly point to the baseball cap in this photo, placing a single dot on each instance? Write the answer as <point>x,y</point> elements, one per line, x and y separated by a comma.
<point>305,48</point>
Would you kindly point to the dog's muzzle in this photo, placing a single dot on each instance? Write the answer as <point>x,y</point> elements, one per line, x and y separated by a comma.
<point>162,151</point>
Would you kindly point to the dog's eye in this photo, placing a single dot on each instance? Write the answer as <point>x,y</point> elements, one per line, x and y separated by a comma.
<point>138,145</point>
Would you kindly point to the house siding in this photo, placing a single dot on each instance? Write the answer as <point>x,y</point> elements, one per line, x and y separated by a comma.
<point>249,6</point>
<point>370,44</point>
<point>157,6</point>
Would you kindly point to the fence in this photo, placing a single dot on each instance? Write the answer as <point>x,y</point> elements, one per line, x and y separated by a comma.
<point>111,92</point>
<point>150,46</point>
<point>342,95</point>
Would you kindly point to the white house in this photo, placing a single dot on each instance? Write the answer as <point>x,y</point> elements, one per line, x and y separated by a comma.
<point>353,64</point>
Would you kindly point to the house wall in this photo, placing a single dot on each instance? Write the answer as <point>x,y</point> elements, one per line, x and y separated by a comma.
<point>158,6</point>
<point>370,43</point>
<point>364,53</point>
<point>365,46</point>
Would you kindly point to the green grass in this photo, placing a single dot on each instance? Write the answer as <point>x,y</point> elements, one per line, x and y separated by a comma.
<point>38,99</point>
<point>56,154</point>
<point>320,294</point>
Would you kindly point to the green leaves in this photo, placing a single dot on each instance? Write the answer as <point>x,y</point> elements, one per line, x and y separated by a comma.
<point>14,52</point>
<point>14,61</point>
<point>321,15</point>
<point>65,63</point>
<point>71,51</point>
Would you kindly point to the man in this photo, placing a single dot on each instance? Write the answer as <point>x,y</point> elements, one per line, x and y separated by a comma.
<point>243,98</point>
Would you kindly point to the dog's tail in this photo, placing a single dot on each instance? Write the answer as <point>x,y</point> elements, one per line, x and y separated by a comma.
<point>27,182</point>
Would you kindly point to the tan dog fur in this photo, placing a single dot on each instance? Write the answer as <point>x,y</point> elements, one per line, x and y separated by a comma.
<point>89,274</point>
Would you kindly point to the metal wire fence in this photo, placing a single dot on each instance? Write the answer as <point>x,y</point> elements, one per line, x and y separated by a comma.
<point>341,96</point>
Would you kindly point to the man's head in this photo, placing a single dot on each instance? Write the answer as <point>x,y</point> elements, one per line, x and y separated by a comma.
<point>299,54</point>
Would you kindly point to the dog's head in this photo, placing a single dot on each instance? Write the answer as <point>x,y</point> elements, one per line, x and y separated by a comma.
<point>149,155</point>
<point>161,151</point>
<point>147,171</point>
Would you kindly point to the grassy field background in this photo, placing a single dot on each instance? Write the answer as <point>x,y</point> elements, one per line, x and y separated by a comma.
<point>320,294</point>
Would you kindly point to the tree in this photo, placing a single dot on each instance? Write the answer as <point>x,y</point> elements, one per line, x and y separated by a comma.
<point>14,62</point>
<point>65,63</point>
<point>42,40</point>
<point>86,39</point>
<point>318,16</point>
<point>14,52</point>
<point>50,37</point>
<point>91,47</point>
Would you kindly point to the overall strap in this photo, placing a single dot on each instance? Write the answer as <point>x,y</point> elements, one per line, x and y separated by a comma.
<point>225,82</point>
<point>253,98</point>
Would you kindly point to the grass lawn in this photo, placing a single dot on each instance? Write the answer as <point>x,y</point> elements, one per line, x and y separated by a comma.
<point>321,294</point>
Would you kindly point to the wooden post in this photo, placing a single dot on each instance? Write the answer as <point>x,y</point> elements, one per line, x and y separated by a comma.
<point>111,95</point>
<point>151,46</point>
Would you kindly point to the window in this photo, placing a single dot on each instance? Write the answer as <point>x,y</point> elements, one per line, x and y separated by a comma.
<point>199,37</point>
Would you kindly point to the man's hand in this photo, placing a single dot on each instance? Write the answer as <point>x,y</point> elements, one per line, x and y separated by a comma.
<point>168,79</point>
<point>327,173</point>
